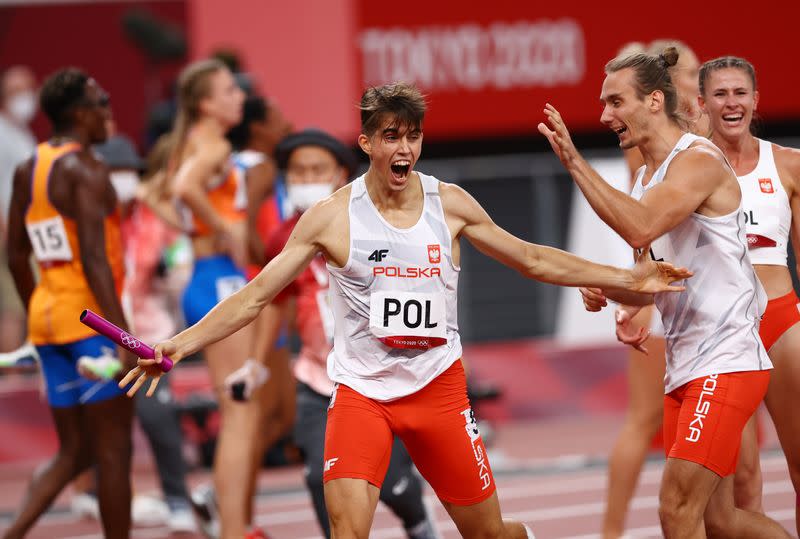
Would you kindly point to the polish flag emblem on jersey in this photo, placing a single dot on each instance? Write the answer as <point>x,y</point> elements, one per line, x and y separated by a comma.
<point>434,255</point>
<point>766,185</point>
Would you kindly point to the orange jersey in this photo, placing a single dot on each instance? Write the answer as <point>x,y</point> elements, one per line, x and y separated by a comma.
<point>229,199</point>
<point>62,292</point>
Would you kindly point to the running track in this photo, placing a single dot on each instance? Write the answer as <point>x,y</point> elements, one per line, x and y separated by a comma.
<point>554,481</point>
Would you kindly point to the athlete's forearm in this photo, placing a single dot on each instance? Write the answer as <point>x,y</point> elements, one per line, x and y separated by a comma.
<point>269,330</point>
<point>627,216</point>
<point>225,319</point>
<point>626,297</point>
<point>241,308</point>
<point>555,266</point>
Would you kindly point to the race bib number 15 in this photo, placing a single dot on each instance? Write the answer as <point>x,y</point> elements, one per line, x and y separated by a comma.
<point>408,319</point>
<point>49,240</point>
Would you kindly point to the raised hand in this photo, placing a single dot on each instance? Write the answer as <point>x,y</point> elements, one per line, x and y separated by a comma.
<point>593,299</point>
<point>652,277</point>
<point>558,136</point>
<point>628,332</point>
<point>150,369</point>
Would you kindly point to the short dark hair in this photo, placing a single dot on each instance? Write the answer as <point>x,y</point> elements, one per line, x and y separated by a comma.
<point>255,109</point>
<point>62,91</point>
<point>402,100</point>
<point>651,72</point>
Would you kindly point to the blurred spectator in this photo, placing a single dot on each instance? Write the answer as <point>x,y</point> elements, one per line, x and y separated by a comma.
<point>18,97</point>
<point>147,239</point>
<point>18,106</point>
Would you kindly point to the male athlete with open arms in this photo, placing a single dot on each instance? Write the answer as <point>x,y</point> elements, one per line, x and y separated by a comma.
<point>390,240</point>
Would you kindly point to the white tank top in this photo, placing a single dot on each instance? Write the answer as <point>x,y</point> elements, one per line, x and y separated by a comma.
<point>766,209</point>
<point>395,301</point>
<point>712,326</point>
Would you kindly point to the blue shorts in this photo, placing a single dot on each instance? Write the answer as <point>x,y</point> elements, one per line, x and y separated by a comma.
<point>65,387</point>
<point>214,278</point>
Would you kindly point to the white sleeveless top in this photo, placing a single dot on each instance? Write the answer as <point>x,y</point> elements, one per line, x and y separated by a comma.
<point>766,209</point>
<point>712,326</point>
<point>395,301</point>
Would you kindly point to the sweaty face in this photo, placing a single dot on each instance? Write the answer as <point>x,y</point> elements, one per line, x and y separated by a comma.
<point>393,151</point>
<point>94,112</point>
<point>225,99</point>
<point>623,111</point>
<point>729,100</point>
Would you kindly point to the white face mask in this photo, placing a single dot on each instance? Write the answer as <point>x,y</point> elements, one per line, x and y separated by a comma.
<point>22,107</point>
<point>304,195</point>
<point>125,183</point>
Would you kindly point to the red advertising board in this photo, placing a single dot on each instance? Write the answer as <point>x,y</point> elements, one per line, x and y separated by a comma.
<point>489,70</point>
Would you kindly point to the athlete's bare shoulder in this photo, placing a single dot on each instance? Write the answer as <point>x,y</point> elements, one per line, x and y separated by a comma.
<point>327,214</point>
<point>83,171</point>
<point>208,146</point>
<point>702,160</point>
<point>326,224</point>
<point>458,204</point>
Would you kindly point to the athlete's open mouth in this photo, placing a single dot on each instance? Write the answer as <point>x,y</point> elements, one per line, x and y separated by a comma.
<point>733,118</point>
<point>620,130</point>
<point>401,168</point>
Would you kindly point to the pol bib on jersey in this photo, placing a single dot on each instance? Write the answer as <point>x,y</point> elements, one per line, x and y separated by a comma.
<point>408,319</point>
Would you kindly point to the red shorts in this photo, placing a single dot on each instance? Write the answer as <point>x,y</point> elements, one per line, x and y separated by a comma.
<point>704,418</point>
<point>781,314</point>
<point>437,426</point>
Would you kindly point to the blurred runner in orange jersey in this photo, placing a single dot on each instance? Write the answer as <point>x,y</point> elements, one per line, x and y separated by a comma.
<point>212,208</point>
<point>769,176</point>
<point>64,212</point>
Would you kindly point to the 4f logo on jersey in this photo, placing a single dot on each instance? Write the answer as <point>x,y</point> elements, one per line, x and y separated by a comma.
<point>434,254</point>
<point>766,185</point>
<point>378,255</point>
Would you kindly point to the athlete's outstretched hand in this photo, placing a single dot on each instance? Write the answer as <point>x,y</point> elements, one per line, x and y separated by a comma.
<point>628,332</point>
<point>593,299</point>
<point>652,277</point>
<point>149,368</point>
<point>558,136</point>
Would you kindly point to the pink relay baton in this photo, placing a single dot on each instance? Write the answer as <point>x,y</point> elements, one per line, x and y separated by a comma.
<point>122,338</point>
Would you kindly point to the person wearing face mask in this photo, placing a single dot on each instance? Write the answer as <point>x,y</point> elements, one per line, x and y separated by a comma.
<point>17,109</point>
<point>315,165</point>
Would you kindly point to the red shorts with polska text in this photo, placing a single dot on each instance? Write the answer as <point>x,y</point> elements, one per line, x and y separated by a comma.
<point>704,418</point>
<point>437,426</point>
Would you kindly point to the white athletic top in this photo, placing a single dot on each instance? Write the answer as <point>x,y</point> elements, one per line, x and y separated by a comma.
<point>395,301</point>
<point>712,326</point>
<point>766,209</point>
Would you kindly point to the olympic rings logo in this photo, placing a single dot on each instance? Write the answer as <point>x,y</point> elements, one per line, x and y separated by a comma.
<point>129,341</point>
